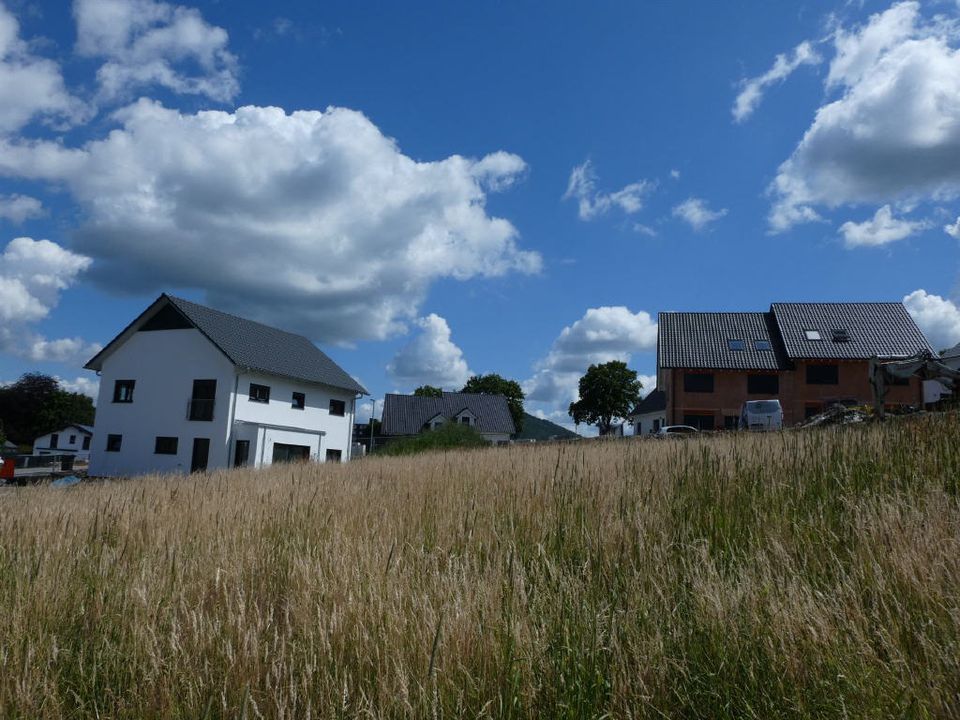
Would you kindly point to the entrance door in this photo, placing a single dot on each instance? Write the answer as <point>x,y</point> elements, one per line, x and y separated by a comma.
<point>201,452</point>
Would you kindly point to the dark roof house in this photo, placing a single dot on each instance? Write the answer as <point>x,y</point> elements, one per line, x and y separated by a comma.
<point>654,402</point>
<point>409,414</point>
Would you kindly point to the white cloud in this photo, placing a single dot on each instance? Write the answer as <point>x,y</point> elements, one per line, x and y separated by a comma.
<point>937,317</point>
<point>601,335</point>
<point>431,358</point>
<point>592,203</point>
<point>953,230</point>
<point>892,131</point>
<point>675,174</point>
<point>30,86</point>
<point>146,43</point>
<point>83,385</point>
<point>697,213</point>
<point>783,66</point>
<point>18,208</point>
<point>881,229</point>
<point>33,273</point>
<point>314,221</point>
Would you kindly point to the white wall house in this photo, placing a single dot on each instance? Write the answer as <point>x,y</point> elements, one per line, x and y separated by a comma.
<point>186,388</point>
<point>489,415</point>
<point>71,440</point>
<point>650,414</point>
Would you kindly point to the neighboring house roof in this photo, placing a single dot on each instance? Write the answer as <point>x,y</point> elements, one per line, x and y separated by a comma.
<point>407,414</point>
<point>702,340</point>
<point>654,402</point>
<point>884,330</point>
<point>953,352</point>
<point>247,344</point>
<point>84,429</point>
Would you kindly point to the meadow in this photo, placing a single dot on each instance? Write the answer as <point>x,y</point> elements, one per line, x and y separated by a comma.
<point>793,575</point>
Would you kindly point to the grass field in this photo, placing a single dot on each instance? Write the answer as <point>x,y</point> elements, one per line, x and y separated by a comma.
<point>804,574</point>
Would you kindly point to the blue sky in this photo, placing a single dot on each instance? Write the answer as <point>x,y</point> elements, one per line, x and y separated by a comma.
<point>430,190</point>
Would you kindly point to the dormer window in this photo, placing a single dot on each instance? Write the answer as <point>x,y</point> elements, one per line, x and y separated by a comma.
<point>813,334</point>
<point>840,335</point>
<point>736,345</point>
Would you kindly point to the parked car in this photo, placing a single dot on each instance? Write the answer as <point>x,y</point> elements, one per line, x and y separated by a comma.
<point>761,415</point>
<point>677,431</point>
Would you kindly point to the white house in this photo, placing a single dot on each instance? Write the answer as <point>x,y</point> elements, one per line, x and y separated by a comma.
<point>405,415</point>
<point>71,440</point>
<point>186,388</point>
<point>650,414</point>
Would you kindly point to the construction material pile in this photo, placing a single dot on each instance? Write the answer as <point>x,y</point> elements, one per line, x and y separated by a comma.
<point>839,415</point>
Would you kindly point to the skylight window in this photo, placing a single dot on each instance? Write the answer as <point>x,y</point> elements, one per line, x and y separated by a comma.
<point>762,345</point>
<point>736,344</point>
<point>840,335</point>
<point>813,334</point>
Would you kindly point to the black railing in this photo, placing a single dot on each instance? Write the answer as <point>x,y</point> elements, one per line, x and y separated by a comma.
<point>200,409</point>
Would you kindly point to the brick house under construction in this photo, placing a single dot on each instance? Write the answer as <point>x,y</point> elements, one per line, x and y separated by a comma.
<point>808,355</point>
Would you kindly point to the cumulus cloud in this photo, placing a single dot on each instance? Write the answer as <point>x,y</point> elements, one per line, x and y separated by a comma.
<point>83,385</point>
<point>431,358</point>
<point>890,129</point>
<point>592,203</point>
<point>314,221</point>
<point>953,230</point>
<point>937,317</point>
<point>18,208</point>
<point>601,335</point>
<point>752,90</point>
<point>697,213</point>
<point>30,86</point>
<point>881,229</point>
<point>33,273</point>
<point>145,43</point>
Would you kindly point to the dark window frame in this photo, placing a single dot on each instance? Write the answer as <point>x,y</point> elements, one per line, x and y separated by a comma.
<point>698,382</point>
<point>114,442</point>
<point>241,456</point>
<point>757,384</point>
<point>123,391</point>
<point>166,445</point>
<point>259,393</point>
<point>341,404</point>
<point>333,455</point>
<point>86,442</point>
<point>54,441</point>
<point>298,401</point>
<point>823,374</point>
<point>699,420</point>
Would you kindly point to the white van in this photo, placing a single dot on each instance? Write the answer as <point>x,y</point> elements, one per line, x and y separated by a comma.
<point>761,415</point>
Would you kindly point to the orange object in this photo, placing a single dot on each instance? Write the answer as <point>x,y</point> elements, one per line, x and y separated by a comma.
<point>6,469</point>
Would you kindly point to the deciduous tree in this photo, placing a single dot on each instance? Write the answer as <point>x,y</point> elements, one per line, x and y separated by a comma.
<point>607,392</point>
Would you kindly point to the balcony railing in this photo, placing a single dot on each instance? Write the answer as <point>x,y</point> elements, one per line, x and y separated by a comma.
<point>200,409</point>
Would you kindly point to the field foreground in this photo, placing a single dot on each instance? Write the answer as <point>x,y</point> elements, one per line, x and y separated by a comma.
<point>805,574</point>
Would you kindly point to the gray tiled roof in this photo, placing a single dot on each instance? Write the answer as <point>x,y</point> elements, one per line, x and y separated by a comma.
<point>951,352</point>
<point>407,414</point>
<point>253,346</point>
<point>701,340</point>
<point>653,402</point>
<point>881,329</point>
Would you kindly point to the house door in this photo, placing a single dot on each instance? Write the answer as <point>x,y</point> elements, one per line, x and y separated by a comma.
<point>201,452</point>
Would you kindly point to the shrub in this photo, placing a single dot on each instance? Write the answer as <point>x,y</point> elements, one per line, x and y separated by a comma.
<point>449,436</point>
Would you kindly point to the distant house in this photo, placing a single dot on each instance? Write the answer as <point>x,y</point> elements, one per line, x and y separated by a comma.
<point>409,414</point>
<point>933,391</point>
<point>808,355</point>
<point>71,440</point>
<point>650,414</point>
<point>185,388</point>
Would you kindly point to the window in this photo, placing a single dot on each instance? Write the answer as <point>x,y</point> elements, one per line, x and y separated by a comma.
<point>823,374</point>
<point>334,455</point>
<point>736,345</point>
<point>259,393</point>
<point>811,409</point>
<point>763,384</point>
<point>762,345</point>
<point>338,407</point>
<point>123,391</point>
<point>242,453</point>
<point>699,421</point>
<point>202,400</point>
<point>840,336</point>
<point>656,425</point>
<point>86,442</point>
<point>465,420</point>
<point>113,443</point>
<point>299,401</point>
<point>165,446</point>
<point>812,334</point>
<point>54,441</point>
<point>698,382</point>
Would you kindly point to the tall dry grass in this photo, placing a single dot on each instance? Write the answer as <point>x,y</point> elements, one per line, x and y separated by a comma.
<point>798,575</point>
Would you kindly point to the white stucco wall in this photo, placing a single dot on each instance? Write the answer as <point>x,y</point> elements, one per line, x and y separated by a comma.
<point>164,364</point>
<point>643,424</point>
<point>41,446</point>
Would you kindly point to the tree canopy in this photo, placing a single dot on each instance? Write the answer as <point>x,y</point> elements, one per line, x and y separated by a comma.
<point>607,392</point>
<point>494,384</point>
<point>36,404</point>
<point>428,391</point>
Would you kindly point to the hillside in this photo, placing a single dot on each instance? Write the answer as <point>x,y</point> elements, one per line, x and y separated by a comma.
<point>806,574</point>
<point>535,428</point>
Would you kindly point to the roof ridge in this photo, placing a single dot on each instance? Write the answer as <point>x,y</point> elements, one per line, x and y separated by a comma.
<point>236,317</point>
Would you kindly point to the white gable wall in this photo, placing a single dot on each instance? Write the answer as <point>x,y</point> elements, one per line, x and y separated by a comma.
<point>646,423</point>
<point>41,446</point>
<point>164,364</point>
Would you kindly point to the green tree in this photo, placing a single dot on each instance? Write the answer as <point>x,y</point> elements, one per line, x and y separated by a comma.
<point>36,404</point>
<point>428,391</point>
<point>607,392</point>
<point>493,384</point>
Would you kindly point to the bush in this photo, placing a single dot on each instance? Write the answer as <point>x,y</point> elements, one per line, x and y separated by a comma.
<point>449,436</point>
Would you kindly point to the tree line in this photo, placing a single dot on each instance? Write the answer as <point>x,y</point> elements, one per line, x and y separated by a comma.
<point>36,404</point>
